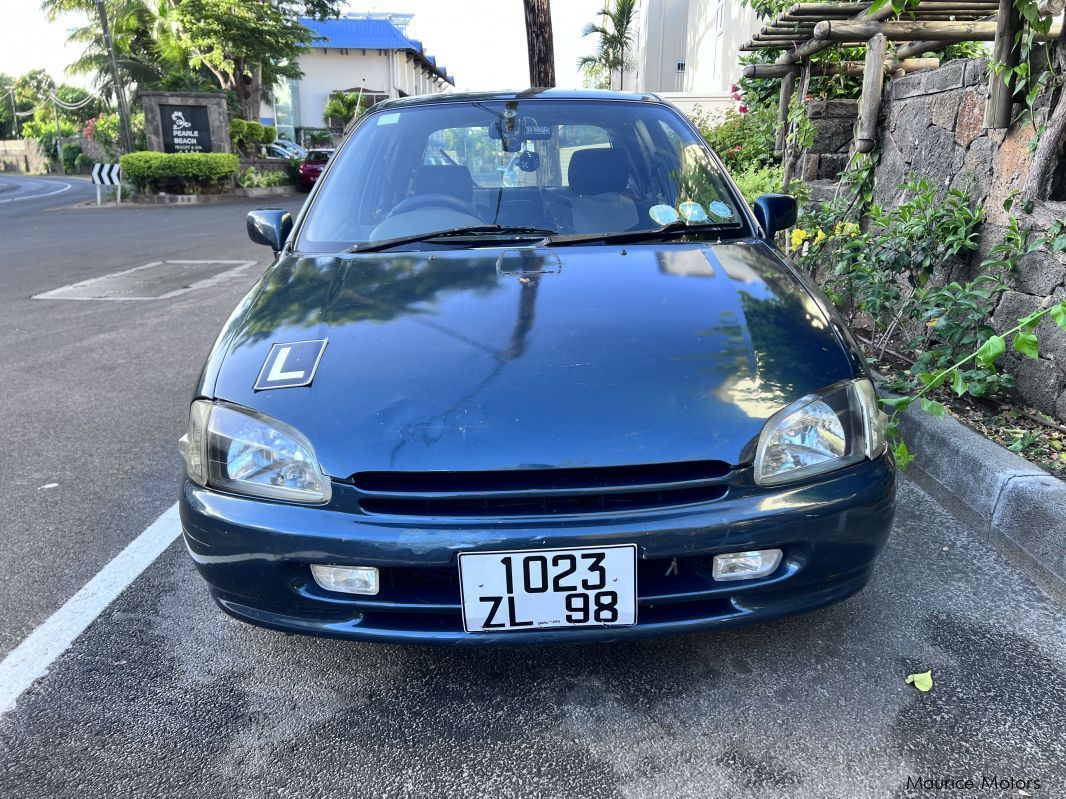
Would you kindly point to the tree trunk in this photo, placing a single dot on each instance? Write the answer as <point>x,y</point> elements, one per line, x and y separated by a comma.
<point>539,43</point>
<point>249,89</point>
<point>1052,146</point>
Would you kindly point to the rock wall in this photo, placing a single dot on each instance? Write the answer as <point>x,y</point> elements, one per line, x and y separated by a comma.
<point>932,127</point>
<point>833,122</point>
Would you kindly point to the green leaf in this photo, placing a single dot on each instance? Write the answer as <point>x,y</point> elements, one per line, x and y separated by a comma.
<point>902,455</point>
<point>1058,314</point>
<point>900,404</point>
<point>958,384</point>
<point>932,407</point>
<point>1027,344</point>
<point>991,350</point>
<point>923,682</point>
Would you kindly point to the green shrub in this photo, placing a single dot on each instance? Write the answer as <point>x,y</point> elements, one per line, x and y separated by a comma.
<point>742,141</point>
<point>69,154</point>
<point>182,173</point>
<point>757,180</point>
<point>252,178</point>
<point>83,163</point>
<point>247,136</point>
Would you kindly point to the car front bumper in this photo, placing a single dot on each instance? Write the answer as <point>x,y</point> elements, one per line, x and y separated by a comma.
<point>256,557</point>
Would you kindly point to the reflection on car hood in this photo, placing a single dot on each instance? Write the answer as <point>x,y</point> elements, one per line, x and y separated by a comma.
<point>492,358</point>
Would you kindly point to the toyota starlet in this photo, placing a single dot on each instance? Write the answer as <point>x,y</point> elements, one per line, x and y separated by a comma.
<point>527,368</point>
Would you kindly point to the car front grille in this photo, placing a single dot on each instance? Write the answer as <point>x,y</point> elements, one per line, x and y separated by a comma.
<point>541,492</point>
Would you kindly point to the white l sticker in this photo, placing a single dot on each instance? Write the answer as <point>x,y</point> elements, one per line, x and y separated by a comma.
<point>276,371</point>
<point>290,365</point>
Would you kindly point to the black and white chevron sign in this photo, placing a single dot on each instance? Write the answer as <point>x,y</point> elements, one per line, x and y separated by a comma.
<point>107,174</point>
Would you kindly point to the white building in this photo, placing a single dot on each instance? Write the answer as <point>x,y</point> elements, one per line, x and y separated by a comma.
<point>357,52</point>
<point>686,51</point>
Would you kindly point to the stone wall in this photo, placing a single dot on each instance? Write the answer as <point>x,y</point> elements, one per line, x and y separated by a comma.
<point>834,121</point>
<point>22,155</point>
<point>932,127</point>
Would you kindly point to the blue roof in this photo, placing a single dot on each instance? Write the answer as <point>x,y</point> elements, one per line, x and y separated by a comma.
<point>356,33</point>
<point>361,33</point>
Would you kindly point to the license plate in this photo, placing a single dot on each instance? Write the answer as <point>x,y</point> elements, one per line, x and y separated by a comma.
<point>537,589</point>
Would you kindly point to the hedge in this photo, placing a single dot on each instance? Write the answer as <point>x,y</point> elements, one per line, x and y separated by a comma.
<point>183,173</point>
<point>247,135</point>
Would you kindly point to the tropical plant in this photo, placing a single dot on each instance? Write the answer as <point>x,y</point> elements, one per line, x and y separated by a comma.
<point>616,33</point>
<point>341,108</point>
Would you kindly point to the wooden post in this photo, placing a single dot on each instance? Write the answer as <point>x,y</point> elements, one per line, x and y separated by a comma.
<point>788,85</point>
<point>791,154</point>
<point>873,82</point>
<point>1000,104</point>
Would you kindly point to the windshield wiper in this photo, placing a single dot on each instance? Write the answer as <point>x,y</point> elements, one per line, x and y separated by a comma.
<point>470,230</point>
<point>627,236</point>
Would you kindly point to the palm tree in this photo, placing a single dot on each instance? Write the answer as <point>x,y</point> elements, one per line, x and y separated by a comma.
<point>616,39</point>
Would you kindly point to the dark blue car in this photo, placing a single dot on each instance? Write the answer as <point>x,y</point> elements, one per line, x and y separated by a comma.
<point>527,369</point>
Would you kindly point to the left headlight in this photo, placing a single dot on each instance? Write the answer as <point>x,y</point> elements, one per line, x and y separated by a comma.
<point>821,432</point>
<point>240,450</point>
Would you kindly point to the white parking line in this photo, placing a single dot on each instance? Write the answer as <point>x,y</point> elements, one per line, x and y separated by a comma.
<point>66,187</point>
<point>32,658</point>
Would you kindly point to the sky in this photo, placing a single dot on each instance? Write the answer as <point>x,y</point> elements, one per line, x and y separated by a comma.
<point>481,42</point>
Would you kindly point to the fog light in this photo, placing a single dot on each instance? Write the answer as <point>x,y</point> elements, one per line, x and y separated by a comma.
<point>746,565</point>
<point>346,579</point>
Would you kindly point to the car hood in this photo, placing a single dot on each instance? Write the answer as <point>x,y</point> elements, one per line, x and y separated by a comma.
<point>523,358</point>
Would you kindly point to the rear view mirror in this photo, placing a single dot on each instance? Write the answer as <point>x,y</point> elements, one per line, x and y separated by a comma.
<point>269,226</point>
<point>775,212</point>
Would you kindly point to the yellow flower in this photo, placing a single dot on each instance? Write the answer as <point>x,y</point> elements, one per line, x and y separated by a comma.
<point>818,239</point>
<point>849,229</point>
<point>799,235</point>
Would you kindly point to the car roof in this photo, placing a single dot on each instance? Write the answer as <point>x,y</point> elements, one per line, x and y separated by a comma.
<point>525,94</point>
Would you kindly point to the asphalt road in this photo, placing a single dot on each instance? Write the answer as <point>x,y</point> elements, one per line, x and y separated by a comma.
<point>164,696</point>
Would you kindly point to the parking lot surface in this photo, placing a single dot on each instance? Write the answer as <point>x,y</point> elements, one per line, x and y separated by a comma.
<point>163,695</point>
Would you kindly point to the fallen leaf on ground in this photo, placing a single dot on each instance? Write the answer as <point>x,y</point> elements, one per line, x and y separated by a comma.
<point>923,682</point>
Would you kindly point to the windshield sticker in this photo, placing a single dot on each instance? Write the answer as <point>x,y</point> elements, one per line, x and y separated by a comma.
<point>720,209</point>
<point>663,214</point>
<point>290,365</point>
<point>692,213</point>
<point>389,119</point>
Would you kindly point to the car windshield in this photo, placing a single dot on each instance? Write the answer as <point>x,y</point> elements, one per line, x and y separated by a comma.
<point>565,166</point>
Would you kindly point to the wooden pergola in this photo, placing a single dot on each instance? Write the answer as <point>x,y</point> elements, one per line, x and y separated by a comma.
<point>809,28</point>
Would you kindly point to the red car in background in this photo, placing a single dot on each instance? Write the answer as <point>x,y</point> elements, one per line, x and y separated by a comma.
<point>311,167</point>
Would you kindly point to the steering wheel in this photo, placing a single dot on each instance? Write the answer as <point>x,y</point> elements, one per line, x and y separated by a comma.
<point>434,201</point>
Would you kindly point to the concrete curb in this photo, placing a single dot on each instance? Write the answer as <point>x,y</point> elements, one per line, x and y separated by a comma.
<point>1014,498</point>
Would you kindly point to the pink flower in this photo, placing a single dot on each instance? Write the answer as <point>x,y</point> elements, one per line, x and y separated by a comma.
<point>743,109</point>
<point>734,88</point>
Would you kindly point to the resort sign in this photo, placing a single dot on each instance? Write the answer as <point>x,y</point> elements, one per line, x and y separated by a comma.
<point>185,128</point>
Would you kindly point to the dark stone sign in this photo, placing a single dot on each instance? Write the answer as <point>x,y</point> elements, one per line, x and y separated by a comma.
<point>186,128</point>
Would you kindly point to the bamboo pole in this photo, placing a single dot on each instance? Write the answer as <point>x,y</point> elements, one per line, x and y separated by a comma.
<point>873,82</point>
<point>1000,105</point>
<point>788,86</point>
<point>905,30</point>
<point>849,68</point>
<point>770,70</point>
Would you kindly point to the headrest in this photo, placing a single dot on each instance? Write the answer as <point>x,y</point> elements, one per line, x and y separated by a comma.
<point>451,179</point>
<point>597,170</point>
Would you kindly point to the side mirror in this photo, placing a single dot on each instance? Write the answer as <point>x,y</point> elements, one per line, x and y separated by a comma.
<point>269,226</point>
<point>775,212</point>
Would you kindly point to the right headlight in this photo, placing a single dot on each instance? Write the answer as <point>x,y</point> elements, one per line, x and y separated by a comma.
<point>827,430</point>
<point>239,450</point>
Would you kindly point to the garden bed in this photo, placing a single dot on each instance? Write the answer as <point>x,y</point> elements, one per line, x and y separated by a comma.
<point>1025,431</point>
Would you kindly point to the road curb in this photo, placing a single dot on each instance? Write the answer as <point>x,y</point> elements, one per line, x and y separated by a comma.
<point>1014,498</point>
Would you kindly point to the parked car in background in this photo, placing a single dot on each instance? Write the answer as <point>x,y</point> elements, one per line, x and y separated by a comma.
<point>277,152</point>
<point>598,403</point>
<point>311,167</point>
<point>292,147</point>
